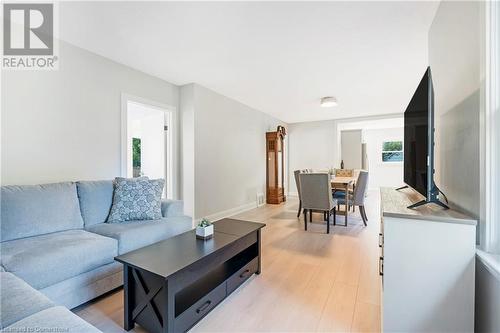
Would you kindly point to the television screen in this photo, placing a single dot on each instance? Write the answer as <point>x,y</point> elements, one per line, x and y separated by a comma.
<point>416,150</point>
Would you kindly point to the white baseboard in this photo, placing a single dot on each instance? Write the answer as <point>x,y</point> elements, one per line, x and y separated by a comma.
<point>228,212</point>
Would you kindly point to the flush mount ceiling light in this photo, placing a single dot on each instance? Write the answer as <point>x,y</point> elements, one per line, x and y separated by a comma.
<point>328,102</point>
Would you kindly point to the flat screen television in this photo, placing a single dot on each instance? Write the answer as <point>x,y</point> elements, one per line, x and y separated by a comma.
<point>419,142</point>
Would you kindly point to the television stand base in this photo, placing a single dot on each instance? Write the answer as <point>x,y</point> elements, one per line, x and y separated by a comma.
<point>425,202</point>
<point>402,188</point>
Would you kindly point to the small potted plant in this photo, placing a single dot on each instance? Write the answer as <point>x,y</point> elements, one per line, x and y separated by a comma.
<point>204,229</point>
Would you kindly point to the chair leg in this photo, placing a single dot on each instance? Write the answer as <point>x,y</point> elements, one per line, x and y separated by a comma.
<point>300,208</point>
<point>363,214</point>
<point>310,215</point>
<point>305,219</point>
<point>334,216</point>
<point>327,222</point>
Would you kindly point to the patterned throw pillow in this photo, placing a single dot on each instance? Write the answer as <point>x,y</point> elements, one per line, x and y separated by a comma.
<point>136,199</point>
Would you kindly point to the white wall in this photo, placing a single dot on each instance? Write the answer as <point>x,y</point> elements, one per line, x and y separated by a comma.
<point>383,174</point>
<point>316,145</point>
<point>487,297</point>
<point>454,57</point>
<point>229,151</point>
<point>65,124</point>
<point>312,145</point>
<point>186,107</point>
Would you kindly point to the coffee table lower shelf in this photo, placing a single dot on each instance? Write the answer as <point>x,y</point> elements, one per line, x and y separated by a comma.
<point>206,303</point>
<point>176,303</point>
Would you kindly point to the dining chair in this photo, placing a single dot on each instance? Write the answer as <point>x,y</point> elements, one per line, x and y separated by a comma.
<point>316,194</point>
<point>357,198</point>
<point>344,172</point>
<point>296,173</point>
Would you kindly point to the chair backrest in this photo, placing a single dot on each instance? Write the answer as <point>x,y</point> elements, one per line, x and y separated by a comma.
<point>360,189</point>
<point>316,191</point>
<point>296,173</point>
<point>344,172</point>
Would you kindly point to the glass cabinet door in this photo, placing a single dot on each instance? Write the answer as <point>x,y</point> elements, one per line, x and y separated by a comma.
<point>280,164</point>
<point>271,165</point>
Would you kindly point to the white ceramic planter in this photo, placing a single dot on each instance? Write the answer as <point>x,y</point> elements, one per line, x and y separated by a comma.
<point>205,233</point>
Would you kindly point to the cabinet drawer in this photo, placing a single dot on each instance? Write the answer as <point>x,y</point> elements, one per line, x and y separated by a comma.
<point>199,309</point>
<point>241,275</point>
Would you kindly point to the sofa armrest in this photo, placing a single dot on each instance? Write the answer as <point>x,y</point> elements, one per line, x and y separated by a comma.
<point>171,208</point>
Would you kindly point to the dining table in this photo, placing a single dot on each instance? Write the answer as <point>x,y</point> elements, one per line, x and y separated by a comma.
<point>344,184</point>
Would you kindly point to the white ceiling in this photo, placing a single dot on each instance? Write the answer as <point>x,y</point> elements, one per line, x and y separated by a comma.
<point>277,57</point>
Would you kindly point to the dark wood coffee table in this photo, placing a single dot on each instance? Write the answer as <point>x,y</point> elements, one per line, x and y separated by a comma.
<point>170,285</point>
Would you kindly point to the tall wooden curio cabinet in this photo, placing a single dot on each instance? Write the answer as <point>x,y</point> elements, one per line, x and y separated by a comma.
<point>275,163</point>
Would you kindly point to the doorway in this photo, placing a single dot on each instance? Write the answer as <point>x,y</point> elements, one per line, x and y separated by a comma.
<point>147,141</point>
<point>374,145</point>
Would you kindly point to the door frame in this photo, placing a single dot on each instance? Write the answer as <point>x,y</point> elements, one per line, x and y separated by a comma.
<point>171,155</point>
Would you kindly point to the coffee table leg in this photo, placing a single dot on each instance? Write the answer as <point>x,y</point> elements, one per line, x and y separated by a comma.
<point>259,238</point>
<point>128,322</point>
<point>169,314</point>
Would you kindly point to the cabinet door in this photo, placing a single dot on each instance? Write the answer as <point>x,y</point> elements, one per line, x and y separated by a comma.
<point>279,160</point>
<point>271,164</point>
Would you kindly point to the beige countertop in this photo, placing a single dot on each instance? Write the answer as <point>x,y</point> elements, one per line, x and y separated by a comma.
<point>394,204</point>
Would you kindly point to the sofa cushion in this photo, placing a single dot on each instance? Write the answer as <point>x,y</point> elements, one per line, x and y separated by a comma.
<point>95,198</point>
<point>132,235</point>
<point>136,199</point>
<point>47,259</point>
<point>55,319</point>
<point>32,210</point>
<point>19,300</point>
<point>171,208</point>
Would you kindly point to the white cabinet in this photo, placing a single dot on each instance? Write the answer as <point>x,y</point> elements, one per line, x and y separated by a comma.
<point>427,260</point>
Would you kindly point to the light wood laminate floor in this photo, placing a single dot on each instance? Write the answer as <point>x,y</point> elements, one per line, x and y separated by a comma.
<point>310,281</point>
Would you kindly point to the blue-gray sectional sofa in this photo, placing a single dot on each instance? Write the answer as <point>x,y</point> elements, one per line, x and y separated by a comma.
<point>55,238</point>
<point>25,309</point>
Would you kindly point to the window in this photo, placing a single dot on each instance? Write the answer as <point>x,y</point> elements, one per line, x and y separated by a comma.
<point>392,151</point>
<point>490,227</point>
<point>136,157</point>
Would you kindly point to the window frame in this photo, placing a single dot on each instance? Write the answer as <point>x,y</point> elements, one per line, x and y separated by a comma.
<point>490,227</point>
<point>382,151</point>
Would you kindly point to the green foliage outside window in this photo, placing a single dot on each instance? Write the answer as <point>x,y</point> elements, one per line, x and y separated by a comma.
<point>392,151</point>
<point>392,146</point>
<point>136,152</point>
